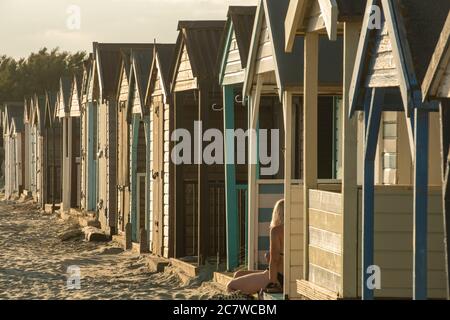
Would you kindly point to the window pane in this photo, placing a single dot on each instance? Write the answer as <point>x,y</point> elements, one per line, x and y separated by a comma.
<point>389,160</point>
<point>389,130</point>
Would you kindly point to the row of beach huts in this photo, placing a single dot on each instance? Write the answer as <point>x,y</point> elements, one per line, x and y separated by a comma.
<point>359,91</point>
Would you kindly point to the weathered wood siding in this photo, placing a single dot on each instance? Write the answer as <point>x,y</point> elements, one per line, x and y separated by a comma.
<point>264,58</point>
<point>325,239</point>
<point>382,63</point>
<point>185,79</point>
<point>394,242</point>
<point>234,72</point>
<point>444,86</point>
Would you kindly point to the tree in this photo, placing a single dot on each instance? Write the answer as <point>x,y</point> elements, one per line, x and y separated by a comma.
<point>38,73</point>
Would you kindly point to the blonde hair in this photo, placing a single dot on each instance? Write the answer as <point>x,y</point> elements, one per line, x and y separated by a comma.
<point>277,214</point>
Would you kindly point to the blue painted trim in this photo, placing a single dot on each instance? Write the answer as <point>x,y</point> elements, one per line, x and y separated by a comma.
<point>133,176</point>
<point>420,204</point>
<point>372,120</point>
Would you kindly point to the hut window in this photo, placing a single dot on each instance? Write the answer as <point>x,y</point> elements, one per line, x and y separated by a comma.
<point>389,160</point>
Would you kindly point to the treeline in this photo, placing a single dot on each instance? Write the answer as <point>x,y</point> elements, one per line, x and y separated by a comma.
<point>39,72</point>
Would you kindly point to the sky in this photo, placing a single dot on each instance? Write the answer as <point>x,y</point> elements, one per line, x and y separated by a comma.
<point>72,25</point>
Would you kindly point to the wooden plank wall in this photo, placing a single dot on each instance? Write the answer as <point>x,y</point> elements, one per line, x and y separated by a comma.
<point>382,62</point>
<point>394,242</point>
<point>185,77</point>
<point>234,72</point>
<point>444,86</point>
<point>325,239</point>
<point>264,59</point>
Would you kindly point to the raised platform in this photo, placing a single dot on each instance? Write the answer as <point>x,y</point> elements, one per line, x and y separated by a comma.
<point>156,264</point>
<point>222,278</point>
<point>311,291</point>
<point>190,269</point>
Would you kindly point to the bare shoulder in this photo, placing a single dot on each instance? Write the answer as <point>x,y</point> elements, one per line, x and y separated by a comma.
<point>277,231</point>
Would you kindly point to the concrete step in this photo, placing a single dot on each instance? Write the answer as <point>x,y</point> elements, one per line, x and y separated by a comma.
<point>222,278</point>
<point>156,264</point>
<point>189,269</point>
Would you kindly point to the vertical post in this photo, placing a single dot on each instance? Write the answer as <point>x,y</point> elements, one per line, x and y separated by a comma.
<point>420,204</point>
<point>372,119</point>
<point>203,181</point>
<point>253,172</point>
<point>349,169</point>
<point>310,84</point>
<point>232,223</point>
<point>445,152</point>
<point>287,110</point>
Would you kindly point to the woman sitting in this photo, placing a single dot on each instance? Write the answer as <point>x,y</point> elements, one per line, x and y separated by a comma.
<point>251,282</point>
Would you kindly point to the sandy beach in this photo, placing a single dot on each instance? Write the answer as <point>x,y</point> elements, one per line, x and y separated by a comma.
<point>34,262</point>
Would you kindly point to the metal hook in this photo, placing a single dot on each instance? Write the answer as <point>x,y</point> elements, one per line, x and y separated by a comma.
<point>216,107</point>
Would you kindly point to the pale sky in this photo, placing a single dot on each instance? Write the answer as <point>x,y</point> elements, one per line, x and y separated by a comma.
<point>28,25</point>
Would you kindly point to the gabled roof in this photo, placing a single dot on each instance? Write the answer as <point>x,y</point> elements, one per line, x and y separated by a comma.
<point>87,69</point>
<point>64,95</point>
<point>75,93</point>
<point>17,125</point>
<point>26,110</point>
<point>414,27</point>
<point>162,62</point>
<point>39,112</point>
<point>50,106</point>
<point>240,21</point>
<point>125,67</point>
<point>141,60</point>
<point>289,66</point>
<point>331,12</point>
<point>107,58</point>
<point>11,110</point>
<point>438,64</point>
<point>202,40</point>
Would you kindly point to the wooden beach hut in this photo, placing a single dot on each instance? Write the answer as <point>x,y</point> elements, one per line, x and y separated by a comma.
<point>199,187</point>
<point>37,129</point>
<point>396,44</point>
<point>123,144</point>
<point>274,85</point>
<point>140,148</point>
<point>84,136</point>
<point>63,114</point>
<point>52,155</point>
<point>436,87</point>
<point>13,144</point>
<point>233,56</point>
<point>159,105</point>
<point>27,146</point>
<point>103,97</point>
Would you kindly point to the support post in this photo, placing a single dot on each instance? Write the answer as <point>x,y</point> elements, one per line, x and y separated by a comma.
<point>420,204</point>
<point>203,181</point>
<point>373,112</point>
<point>445,152</point>
<point>232,220</point>
<point>287,110</point>
<point>253,173</point>
<point>310,110</point>
<point>349,169</point>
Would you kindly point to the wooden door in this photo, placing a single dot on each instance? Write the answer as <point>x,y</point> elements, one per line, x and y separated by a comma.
<point>157,178</point>
<point>140,205</point>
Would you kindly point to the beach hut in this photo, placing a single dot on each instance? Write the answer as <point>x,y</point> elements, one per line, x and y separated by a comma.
<point>233,56</point>
<point>27,146</point>
<point>87,68</point>
<point>13,144</point>
<point>436,86</point>
<point>274,86</point>
<point>74,138</point>
<point>103,97</point>
<point>396,44</point>
<point>52,155</point>
<point>123,145</point>
<point>140,148</point>
<point>199,186</point>
<point>158,101</point>
<point>37,129</point>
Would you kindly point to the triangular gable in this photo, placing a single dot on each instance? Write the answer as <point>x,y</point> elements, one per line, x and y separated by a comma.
<point>160,71</point>
<point>411,33</point>
<point>140,74</point>
<point>235,44</point>
<point>193,63</point>
<point>50,105</point>
<point>64,95</point>
<point>75,102</point>
<point>38,113</point>
<point>26,110</point>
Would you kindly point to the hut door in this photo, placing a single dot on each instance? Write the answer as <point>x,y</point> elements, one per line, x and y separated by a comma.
<point>140,203</point>
<point>157,178</point>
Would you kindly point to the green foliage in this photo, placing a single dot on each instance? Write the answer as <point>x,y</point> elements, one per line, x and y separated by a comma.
<point>41,71</point>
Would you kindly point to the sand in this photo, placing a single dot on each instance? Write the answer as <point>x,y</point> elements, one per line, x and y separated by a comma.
<point>34,262</point>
